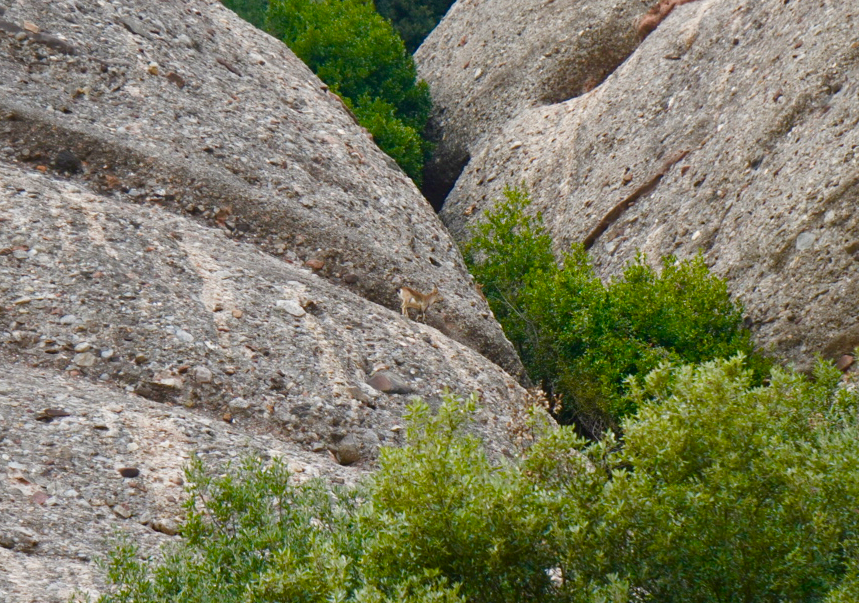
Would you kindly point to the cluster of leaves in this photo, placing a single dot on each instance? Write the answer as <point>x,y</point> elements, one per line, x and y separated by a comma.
<point>413,19</point>
<point>361,57</point>
<point>581,338</point>
<point>723,492</point>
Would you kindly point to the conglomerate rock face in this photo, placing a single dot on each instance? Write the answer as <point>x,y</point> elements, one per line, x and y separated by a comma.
<point>184,104</point>
<point>490,59</point>
<point>732,129</point>
<point>199,253</point>
<point>109,303</point>
<point>98,463</point>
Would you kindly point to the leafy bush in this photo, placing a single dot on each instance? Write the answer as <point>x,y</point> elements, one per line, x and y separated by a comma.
<point>439,504</point>
<point>723,492</point>
<point>413,19</point>
<point>359,55</point>
<point>580,337</point>
<point>254,536</point>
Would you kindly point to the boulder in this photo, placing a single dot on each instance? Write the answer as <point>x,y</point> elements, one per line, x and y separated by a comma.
<point>186,106</point>
<point>489,59</point>
<point>731,131</point>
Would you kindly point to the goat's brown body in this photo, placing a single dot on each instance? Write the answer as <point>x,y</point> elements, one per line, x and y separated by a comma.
<point>412,298</point>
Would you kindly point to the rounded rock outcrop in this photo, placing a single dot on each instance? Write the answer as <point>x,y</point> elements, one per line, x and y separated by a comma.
<point>489,59</point>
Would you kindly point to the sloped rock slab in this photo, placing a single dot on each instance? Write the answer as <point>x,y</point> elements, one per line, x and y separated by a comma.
<point>185,105</point>
<point>181,314</point>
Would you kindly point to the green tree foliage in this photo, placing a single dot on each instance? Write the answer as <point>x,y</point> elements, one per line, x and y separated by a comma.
<point>360,56</point>
<point>723,492</point>
<point>580,337</point>
<point>413,19</point>
<point>252,11</point>
<point>438,504</point>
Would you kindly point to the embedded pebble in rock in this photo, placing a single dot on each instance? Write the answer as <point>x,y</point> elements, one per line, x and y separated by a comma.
<point>202,375</point>
<point>86,360</point>
<point>845,362</point>
<point>122,510</point>
<point>166,526</point>
<point>290,306</point>
<point>387,382</point>
<point>347,451</point>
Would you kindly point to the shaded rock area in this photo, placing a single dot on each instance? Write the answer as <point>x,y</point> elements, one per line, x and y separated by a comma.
<point>490,59</point>
<point>731,130</point>
<point>185,105</point>
<point>131,336</point>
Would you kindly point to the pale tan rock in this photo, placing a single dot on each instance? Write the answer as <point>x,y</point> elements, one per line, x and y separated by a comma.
<point>730,130</point>
<point>489,59</point>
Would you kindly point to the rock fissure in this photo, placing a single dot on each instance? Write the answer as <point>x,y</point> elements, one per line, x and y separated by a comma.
<point>617,211</point>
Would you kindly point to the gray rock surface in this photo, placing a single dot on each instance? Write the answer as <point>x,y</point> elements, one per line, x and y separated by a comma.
<point>200,252</point>
<point>731,130</point>
<point>131,336</point>
<point>490,59</point>
<point>177,312</point>
<point>185,105</point>
<point>62,497</point>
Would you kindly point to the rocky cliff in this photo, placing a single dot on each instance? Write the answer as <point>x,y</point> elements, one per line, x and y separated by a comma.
<point>490,59</point>
<point>731,129</point>
<point>191,108</point>
<point>199,252</point>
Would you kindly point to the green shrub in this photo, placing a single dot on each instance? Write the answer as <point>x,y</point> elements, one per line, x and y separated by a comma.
<point>722,493</point>
<point>413,19</point>
<point>580,337</point>
<point>439,504</point>
<point>359,55</point>
<point>255,536</point>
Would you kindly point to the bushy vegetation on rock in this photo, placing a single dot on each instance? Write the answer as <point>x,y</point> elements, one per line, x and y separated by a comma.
<point>722,492</point>
<point>412,19</point>
<point>581,338</point>
<point>361,57</point>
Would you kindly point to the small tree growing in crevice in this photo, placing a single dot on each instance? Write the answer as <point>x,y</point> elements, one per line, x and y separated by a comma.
<point>581,338</point>
<point>361,57</point>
